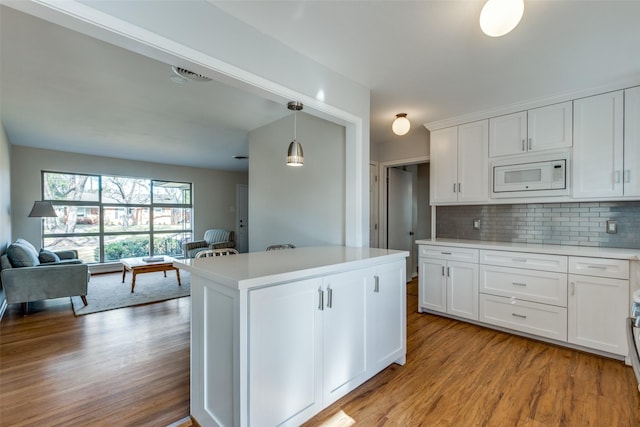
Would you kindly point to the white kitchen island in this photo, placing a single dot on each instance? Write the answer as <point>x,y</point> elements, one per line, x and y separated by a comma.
<point>277,336</point>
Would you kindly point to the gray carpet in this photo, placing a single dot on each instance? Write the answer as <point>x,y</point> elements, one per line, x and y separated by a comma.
<point>107,292</point>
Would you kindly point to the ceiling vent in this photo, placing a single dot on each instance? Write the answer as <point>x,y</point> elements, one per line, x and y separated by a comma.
<point>190,75</point>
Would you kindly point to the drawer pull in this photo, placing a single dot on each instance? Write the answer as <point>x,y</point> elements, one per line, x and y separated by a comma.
<point>520,316</point>
<point>445,253</point>
<point>599,267</point>
<point>519,259</point>
<point>518,284</point>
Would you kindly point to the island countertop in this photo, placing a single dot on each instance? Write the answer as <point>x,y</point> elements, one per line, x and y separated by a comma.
<point>257,269</point>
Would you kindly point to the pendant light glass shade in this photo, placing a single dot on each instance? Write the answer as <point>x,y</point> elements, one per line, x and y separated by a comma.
<point>401,124</point>
<point>499,17</point>
<point>43,210</point>
<point>294,154</point>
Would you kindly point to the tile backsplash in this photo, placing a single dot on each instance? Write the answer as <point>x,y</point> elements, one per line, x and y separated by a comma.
<point>575,224</point>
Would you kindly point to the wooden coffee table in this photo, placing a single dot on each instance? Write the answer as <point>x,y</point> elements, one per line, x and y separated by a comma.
<point>139,266</point>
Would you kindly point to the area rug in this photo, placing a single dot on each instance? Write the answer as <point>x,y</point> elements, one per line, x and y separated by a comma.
<point>107,292</point>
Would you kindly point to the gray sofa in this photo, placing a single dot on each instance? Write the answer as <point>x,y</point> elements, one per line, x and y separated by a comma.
<point>28,275</point>
<point>215,238</point>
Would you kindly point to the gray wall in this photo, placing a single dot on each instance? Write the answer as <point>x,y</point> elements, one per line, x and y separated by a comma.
<point>300,205</point>
<point>574,224</point>
<point>214,192</point>
<point>5,200</point>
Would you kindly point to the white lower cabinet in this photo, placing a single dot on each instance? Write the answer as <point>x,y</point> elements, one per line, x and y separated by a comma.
<point>313,341</point>
<point>447,285</point>
<point>386,317</point>
<point>534,318</point>
<point>598,305</point>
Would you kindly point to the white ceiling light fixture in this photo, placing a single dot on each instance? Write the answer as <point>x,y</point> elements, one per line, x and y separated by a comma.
<point>499,17</point>
<point>401,124</point>
<point>295,157</point>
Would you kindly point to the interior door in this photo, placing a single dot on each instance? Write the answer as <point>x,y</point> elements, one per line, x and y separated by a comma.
<point>242,218</point>
<point>400,213</point>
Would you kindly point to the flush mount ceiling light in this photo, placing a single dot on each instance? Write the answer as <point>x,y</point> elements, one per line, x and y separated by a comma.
<point>294,154</point>
<point>183,73</point>
<point>401,124</point>
<point>499,17</point>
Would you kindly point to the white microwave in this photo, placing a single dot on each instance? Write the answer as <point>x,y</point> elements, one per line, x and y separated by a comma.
<point>537,176</point>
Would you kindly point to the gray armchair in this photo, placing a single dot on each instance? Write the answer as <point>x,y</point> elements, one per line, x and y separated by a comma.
<point>213,239</point>
<point>31,276</point>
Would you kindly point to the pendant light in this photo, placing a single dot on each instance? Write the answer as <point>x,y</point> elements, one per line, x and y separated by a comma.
<point>401,124</point>
<point>294,154</point>
<point>499,17</point>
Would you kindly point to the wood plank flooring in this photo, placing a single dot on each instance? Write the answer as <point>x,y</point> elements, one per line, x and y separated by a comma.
<point>130,367</point>
<point>127,367</point>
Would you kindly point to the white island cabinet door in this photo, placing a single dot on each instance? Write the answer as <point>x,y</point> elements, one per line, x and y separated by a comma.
<point>285,347</point>
<point>386,311</point>
<point>344,332</point>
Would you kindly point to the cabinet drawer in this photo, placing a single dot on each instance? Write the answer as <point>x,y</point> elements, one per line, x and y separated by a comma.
<point>449,253</point>
<point>537,286</point>
<point>533,261</point>
<point>538,319</point>
<point>600,267</point>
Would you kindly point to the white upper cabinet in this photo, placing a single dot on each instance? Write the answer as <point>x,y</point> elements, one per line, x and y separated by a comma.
<point>459,164</point>
<point>598,153</point>
<point>508,134</point>
<point>631,173</point>
<point>543,128</point>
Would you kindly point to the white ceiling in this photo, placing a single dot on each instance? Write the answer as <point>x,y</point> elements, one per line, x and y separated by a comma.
<point>69,92</point>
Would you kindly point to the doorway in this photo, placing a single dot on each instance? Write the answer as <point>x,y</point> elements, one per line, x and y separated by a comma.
<point>400,206</point>
<point>242,218</point>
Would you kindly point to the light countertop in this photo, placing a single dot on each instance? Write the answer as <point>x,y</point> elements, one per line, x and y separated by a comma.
<point>586,251</point>
<point>256,269</point>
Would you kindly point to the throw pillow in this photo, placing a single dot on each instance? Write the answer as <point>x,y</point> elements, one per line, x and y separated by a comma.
<point>48,256</point>
<point>21,255</point>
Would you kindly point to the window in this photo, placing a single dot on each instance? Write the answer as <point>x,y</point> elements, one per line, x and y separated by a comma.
<point>107,217</point>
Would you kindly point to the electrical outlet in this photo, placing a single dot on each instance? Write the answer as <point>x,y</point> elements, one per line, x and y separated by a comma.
<point>612,227</point>
<point>476,224</point>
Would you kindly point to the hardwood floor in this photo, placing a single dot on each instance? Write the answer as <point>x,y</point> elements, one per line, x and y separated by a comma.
<point>130,367</point>
<point>127,367</point>
<point>458,374</point>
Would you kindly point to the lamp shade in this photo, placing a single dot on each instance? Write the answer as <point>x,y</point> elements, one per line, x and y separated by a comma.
<point>499,17</point>
<point>42,210</point>
<point>295,157</point>
<point>401,124</point>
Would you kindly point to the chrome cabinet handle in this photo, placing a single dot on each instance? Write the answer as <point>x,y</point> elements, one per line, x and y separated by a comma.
<point>617,177</point>
<point>518,284</point>
<point>523,146</point>
<point>445,253</point>
<point>529,146</point>
<point>599,267</point>
<point>459,187</point>
<point>519,259</point>
<point>443,270</point>
<point>448,271</point>
<point>329,297</point>
<point>573,288</point>
<point>454,187</point>
<point>521,316</point>
<point>320,299</point>
<point>376,287</point>
<point>627,176</point>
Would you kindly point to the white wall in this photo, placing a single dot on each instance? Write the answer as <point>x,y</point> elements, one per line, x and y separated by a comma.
<point>203,38</point>
<point>214,192</point>
<point>5,200</point>
<point>403,147</point>
<point>300,205</point>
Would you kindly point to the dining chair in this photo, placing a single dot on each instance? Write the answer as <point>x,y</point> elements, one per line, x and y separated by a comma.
<point>216,252</point>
